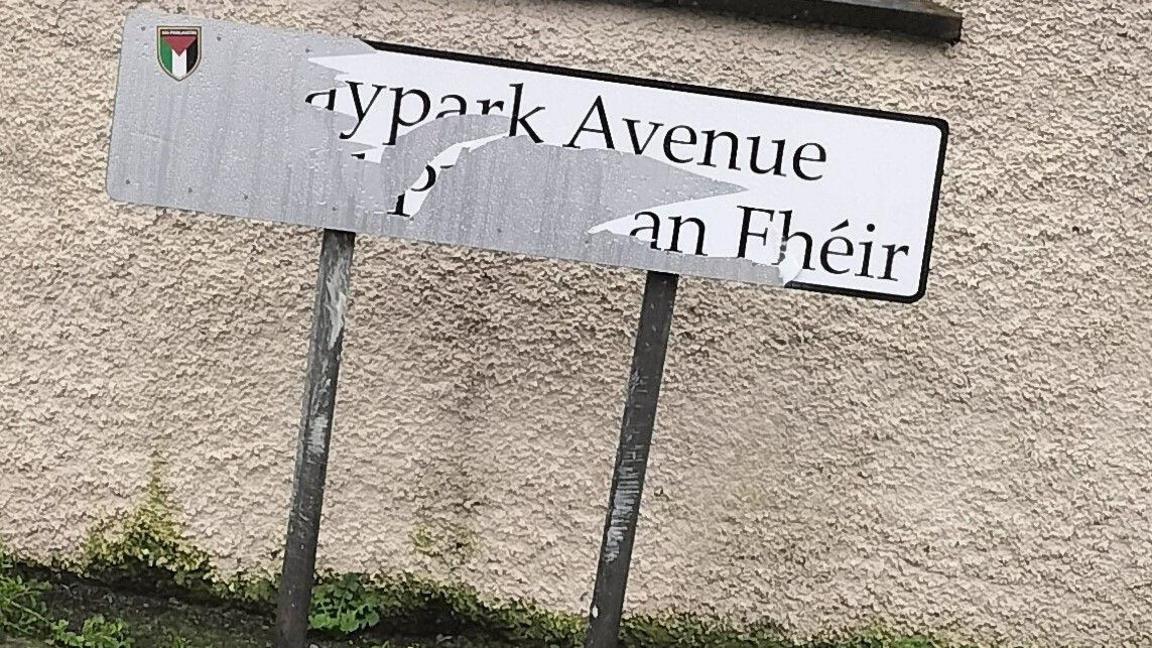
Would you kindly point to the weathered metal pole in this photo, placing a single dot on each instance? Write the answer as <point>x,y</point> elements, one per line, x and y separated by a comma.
<point>315,429</point>
<point>631,460</point>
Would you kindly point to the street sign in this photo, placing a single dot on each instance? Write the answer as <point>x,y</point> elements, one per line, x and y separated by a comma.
<point>352,136</point>
<point>450,148</point>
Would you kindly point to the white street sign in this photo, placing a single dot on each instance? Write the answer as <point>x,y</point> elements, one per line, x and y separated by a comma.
<point>457,149</point>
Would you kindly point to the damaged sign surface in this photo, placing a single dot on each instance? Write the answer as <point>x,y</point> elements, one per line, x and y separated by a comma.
<point>456,149</point>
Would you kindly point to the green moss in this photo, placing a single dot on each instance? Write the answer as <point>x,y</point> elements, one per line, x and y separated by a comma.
<point>146,551</point>
<point>685,631</point>
<point>878,638</point>
<point>450,545</point>
<point>411,605</point>
<point>146,548</point>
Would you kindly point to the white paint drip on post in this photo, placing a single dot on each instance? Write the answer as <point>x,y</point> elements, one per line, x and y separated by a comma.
<point>625,499</point>
<point>317,437</point>
<point>337,304</point>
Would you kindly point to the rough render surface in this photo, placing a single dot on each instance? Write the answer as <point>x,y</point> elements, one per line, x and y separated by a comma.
<point>975,464</point>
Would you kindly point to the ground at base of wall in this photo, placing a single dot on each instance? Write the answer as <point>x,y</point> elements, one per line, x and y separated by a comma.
<point>169,623</point>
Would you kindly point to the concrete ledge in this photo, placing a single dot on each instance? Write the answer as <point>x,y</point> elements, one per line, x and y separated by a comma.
<point>916,17</point>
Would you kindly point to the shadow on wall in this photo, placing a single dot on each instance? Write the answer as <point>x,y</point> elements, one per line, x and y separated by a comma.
<point>920,19</point>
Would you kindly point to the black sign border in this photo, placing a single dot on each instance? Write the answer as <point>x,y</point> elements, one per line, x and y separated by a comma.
<point>939,123</point>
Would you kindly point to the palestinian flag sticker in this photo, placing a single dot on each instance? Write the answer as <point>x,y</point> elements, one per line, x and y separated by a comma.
<point>178,50</point>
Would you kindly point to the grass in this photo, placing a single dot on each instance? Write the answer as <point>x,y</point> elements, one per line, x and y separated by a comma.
<point>150,621</point>
<point>153,622</point>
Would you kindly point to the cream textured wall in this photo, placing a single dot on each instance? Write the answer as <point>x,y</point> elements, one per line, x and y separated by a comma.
<point>976,464</point>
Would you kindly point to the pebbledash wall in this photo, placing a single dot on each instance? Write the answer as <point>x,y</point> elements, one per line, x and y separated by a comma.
<point>975,464</point>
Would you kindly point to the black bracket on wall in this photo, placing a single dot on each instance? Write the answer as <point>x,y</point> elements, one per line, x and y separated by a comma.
<point>916,17</point>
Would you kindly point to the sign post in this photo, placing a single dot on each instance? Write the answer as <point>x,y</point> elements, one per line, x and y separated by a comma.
<point>351,136</point>
<point>631,459</point>
<point>327,341</point>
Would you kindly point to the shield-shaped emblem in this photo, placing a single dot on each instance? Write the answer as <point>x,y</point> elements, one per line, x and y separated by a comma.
<point>178,50</point>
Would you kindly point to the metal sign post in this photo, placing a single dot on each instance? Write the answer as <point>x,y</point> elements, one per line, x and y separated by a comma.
<point>315,431</point>
<point>631,459</point>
